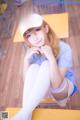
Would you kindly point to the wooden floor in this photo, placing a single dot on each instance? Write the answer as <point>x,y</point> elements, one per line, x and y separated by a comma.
<point>11,83</point>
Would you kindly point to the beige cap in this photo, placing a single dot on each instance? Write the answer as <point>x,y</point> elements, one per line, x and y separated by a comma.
<point>34,20</point>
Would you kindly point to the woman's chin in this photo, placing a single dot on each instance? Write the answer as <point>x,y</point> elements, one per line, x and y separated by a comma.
<point>39,45</point>
<point>42,44</point>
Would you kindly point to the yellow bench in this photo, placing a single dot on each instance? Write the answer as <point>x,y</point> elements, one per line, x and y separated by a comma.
<point>49,114</point>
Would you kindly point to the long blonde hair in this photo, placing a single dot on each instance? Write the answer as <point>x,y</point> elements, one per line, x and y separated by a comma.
<point>53,40</point>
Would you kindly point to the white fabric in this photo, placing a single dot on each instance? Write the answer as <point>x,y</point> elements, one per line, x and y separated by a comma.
<point>33,20</point>
<point>36,85</point>
<point>39,87</point>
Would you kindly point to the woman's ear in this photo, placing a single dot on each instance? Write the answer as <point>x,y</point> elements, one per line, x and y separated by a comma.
<point>46,28</point>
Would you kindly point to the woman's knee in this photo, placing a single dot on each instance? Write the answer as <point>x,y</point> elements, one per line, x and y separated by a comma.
<point>63,96</point>
<point>62,91</point>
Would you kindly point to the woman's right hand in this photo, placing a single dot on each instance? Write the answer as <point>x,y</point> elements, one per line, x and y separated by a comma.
<point>31,51</point>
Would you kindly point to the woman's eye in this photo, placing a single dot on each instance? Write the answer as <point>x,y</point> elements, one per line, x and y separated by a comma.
<point>28,35</point>
<point>37,29</point>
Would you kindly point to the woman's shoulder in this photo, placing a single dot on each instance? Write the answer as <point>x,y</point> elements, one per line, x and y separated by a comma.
<point>65,55</point>
<point>64,47</point>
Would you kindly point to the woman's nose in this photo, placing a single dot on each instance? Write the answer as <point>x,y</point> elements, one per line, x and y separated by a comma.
<point>34,36</point>
<point>34,33</point>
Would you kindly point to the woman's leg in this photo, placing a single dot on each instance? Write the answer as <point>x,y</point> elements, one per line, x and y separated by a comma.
<point>29,81</point>
<point>39,90</point>
<point>62,93</point>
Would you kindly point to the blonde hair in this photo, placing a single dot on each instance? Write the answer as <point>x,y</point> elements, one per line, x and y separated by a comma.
<point>53,40</point>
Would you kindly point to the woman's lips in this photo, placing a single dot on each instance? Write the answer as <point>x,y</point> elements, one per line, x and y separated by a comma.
<point>38,42</point>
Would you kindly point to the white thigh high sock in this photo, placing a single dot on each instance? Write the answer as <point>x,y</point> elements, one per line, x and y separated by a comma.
<point>29,82</point>
<point>39,89</point>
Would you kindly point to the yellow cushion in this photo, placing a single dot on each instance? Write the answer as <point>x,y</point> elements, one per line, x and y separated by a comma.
<point>50,114</point>
<point>58,22</point>
<point>48,100</point>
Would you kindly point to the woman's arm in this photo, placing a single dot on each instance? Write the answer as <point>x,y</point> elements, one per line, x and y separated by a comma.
<point>57,74</point>
<point>61,87</point>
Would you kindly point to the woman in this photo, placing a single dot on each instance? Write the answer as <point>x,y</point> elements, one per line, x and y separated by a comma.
<point>47,66</point>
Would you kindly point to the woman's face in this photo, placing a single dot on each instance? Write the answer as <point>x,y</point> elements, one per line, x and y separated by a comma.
<point>36,36</point>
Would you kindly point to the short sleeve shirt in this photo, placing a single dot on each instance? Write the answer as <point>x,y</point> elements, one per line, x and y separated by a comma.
<point>65,60</point>
<point>65,55</point>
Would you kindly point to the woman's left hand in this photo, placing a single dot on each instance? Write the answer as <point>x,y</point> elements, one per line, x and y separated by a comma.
<point>47,51</point>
